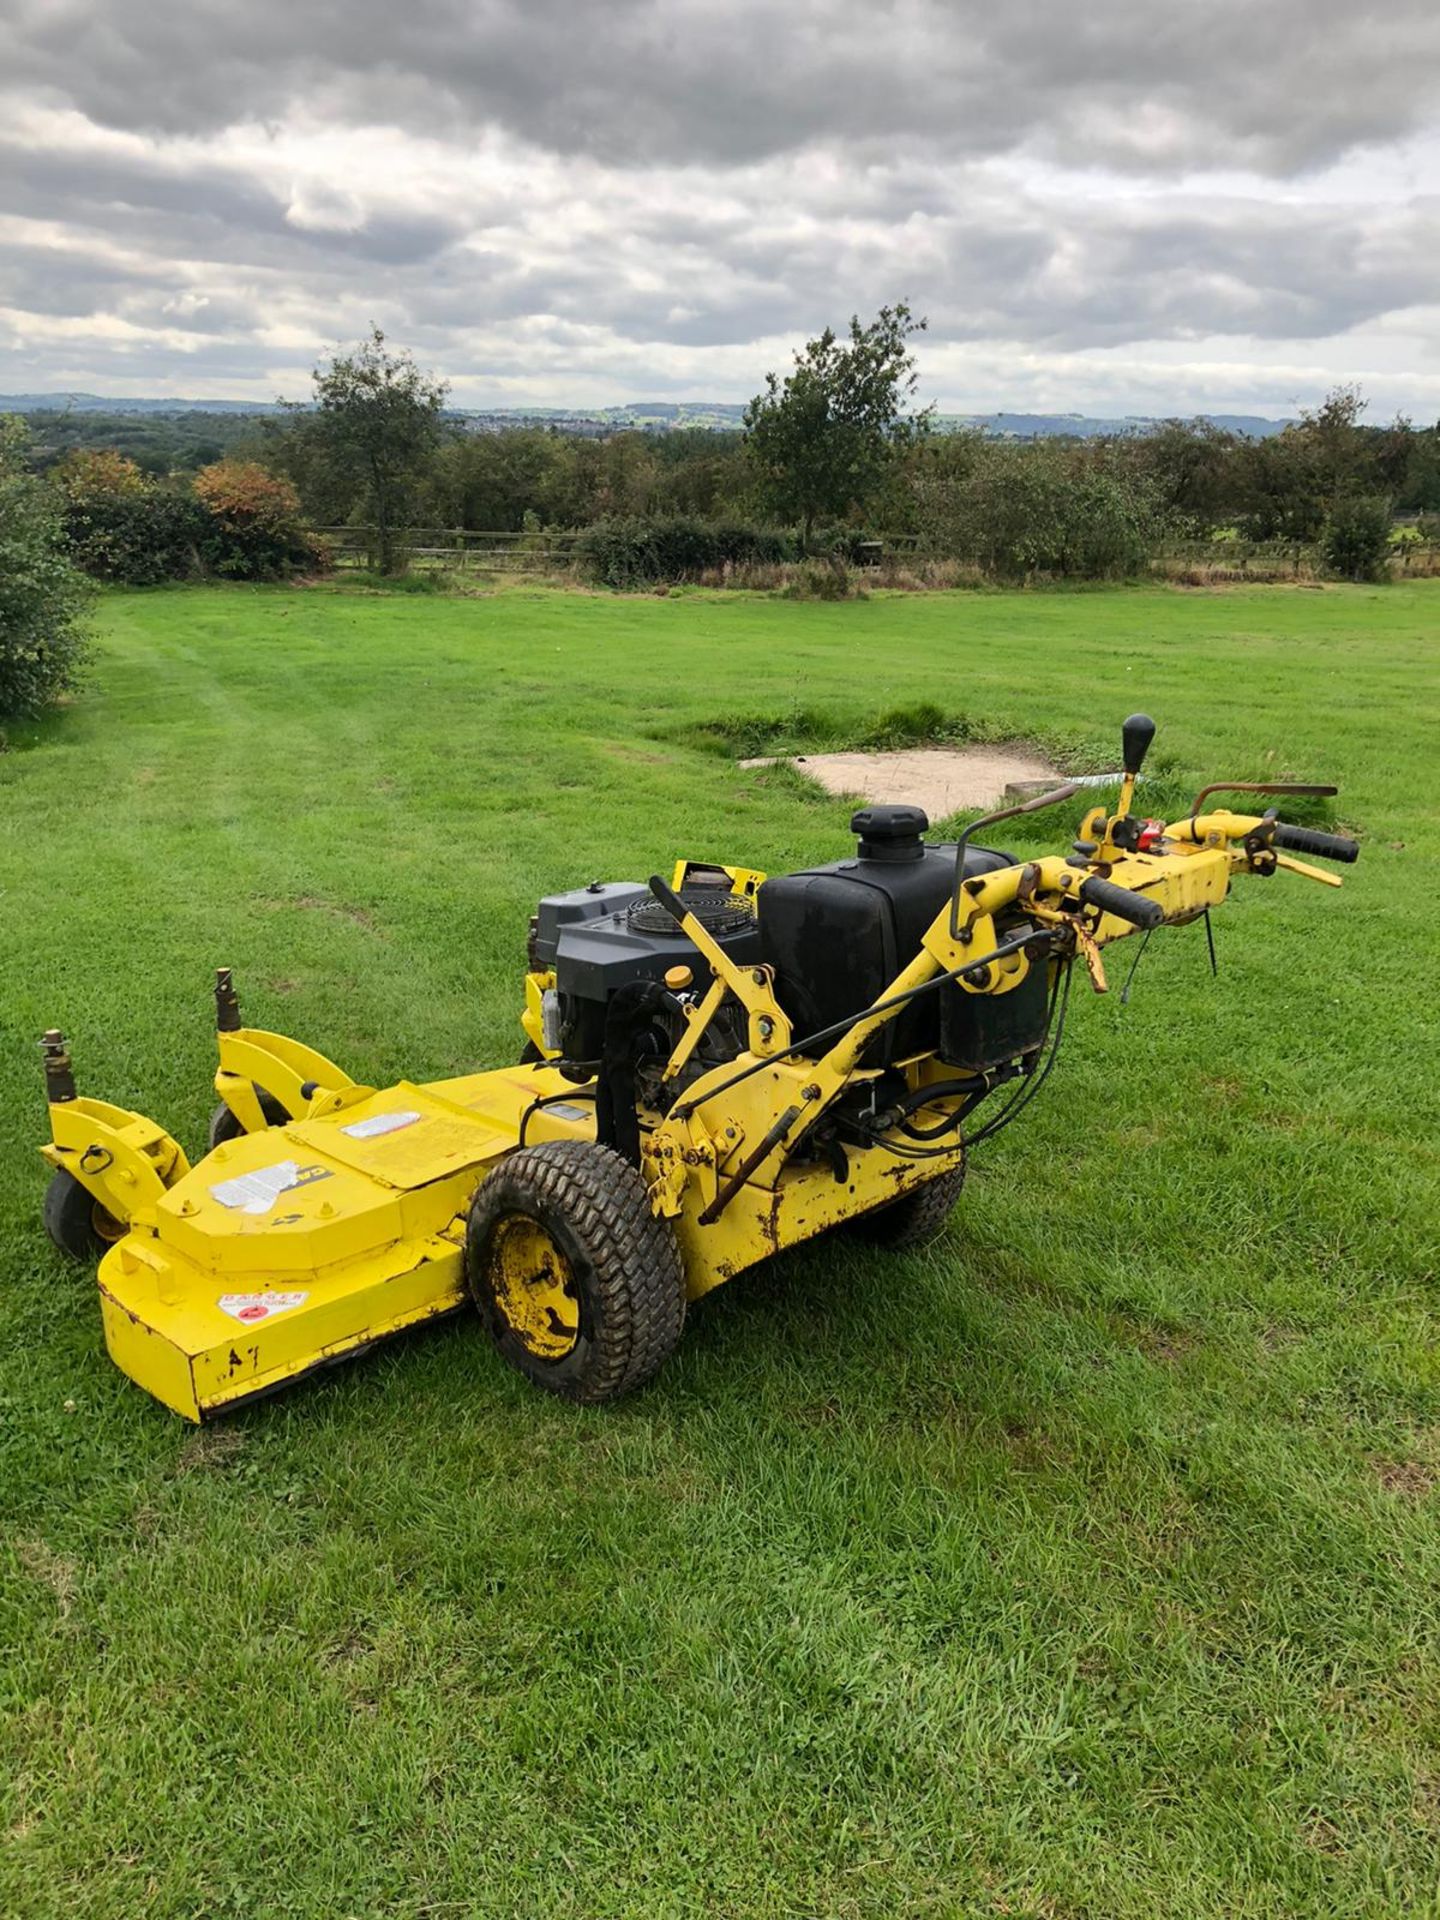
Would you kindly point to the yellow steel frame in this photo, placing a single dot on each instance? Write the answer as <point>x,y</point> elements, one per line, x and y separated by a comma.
<point>252,1059</point>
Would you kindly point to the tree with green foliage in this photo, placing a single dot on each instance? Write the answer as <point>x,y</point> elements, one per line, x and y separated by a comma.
<point>1356,540</point>
<point>821,441</point>
<point>42,596</point>
<point>378,417</point>
<point>1189,465</point>
<point>1011,510</point>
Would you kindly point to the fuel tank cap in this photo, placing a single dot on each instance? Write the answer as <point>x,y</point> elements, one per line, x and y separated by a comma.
<point>891,833</point>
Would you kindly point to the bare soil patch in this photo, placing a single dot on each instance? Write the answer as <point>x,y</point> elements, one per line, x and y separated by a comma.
<point>942,780</point>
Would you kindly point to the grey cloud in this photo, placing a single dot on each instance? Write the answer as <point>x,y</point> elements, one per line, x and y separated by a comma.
<point>1280,85</point>
<point>1020,269</point>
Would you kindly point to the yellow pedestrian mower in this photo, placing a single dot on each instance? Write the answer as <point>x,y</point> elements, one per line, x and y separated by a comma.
<point>716,1068</point>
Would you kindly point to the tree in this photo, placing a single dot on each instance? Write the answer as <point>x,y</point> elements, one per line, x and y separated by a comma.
<point>99,473</point>
<point>1190,463</point>
<point>42,597</point>
<point>1357,536</point>
<point>1015,510</point>
<point>378,415</point>
<point>820,443</point>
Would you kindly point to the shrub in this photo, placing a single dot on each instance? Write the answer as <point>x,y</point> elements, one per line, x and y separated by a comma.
<point>124,528</point>
<point>632,553</point>
<point>241,522</point>
<point>1021,511</point>
<point>824,580</point>
<point>137,540</point>
<point>1356,540</point>
<point>99,473</point>
<point>255,530</point>
<point>42,597</point>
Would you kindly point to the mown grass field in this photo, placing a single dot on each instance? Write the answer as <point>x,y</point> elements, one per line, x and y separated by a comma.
<point>1084,1564</point>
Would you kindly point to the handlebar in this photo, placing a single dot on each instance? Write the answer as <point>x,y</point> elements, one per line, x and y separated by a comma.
<point>1325,846</point>
<point>1122,902</point>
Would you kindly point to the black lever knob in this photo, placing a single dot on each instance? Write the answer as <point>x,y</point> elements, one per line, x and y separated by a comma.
<point>1135,737</point>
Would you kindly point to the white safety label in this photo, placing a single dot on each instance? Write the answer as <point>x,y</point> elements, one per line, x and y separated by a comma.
<point>251,1307</point>
<point>379,1123</point>
<point>257,1192</point>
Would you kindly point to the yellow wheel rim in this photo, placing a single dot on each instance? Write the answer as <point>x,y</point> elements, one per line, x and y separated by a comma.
<point>107,1228</point>
<point>534,1287</point>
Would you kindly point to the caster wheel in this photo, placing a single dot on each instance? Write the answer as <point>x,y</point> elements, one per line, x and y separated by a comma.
<point>224,1126</point>
<point>75,1221</point>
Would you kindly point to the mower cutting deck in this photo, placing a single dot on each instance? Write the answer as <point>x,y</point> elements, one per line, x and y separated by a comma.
<point>667,1128</point>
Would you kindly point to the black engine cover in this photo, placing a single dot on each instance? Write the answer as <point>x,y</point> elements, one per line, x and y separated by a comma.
<point>595,954</point>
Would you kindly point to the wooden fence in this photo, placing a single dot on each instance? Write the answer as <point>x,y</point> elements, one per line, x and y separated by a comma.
<point>463,550</point>
<point>457,549</point>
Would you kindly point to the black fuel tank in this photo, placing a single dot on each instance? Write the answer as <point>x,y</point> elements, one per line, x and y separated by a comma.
<point>838,935</point>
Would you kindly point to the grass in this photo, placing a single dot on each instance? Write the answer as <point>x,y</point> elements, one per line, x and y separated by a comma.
<point>1082,1565</point>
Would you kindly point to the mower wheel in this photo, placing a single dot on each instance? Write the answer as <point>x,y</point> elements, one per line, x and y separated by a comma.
<point>76,1221</point>
<point>224,1126</point>
<point>581,1287</point>
<point>915,1219</point>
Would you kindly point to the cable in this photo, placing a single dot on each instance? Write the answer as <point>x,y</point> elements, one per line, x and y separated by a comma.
<point>1032,1085</point>
<point>552,1100</point>
<point>833,1032</point>
<point>1059,1002</point>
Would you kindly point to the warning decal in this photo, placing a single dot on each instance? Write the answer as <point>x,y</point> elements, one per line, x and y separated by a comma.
<point>379,1123</point>
<point>257,1192</point>
<point>253,1307</point>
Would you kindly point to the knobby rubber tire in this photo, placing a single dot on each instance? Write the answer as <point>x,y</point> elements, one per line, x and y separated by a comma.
<point>70,1214</point>
<point>916,1218</point>
<point>628,1275</point>
<point>224,1126</point>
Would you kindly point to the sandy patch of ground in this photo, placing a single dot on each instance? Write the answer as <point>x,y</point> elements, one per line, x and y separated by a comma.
<point>940,779</point>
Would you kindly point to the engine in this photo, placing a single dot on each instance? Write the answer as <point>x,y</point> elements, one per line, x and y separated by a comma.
<point>611,946</point>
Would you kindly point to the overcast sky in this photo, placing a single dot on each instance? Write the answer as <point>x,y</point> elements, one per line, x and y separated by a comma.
<point>1109,206</point>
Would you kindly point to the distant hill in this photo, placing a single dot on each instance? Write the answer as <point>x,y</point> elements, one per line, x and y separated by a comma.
<point>1078,426</point>
<point>101,403</point>
<point>647,416</point>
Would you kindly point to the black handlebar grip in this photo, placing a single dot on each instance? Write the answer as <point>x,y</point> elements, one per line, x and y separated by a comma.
<point>1125,905</point>
<point>668,898</point>
<point>1325,846</point>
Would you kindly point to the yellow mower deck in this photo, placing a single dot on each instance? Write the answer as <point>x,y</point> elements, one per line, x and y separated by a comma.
<point>207,1303</point>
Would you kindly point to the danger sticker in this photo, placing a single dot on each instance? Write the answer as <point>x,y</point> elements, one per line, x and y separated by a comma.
<point>251,1307</point>
<point>379,1123</point>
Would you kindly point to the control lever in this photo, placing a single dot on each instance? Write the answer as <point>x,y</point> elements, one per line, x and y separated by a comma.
<point>1135,737</point>
<point>1050,799</point>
